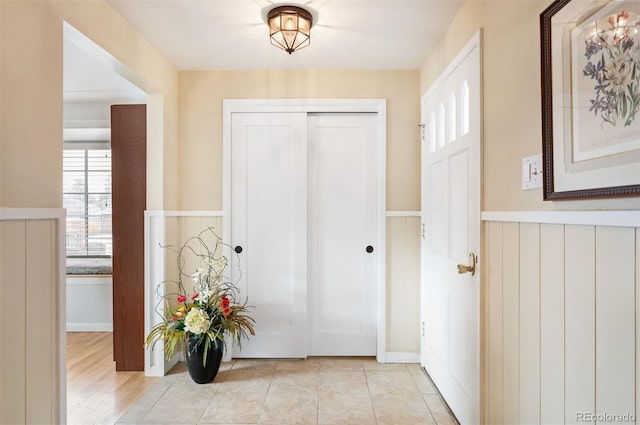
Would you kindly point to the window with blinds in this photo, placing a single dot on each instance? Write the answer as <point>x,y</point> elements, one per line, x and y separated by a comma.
<point>87,198</point>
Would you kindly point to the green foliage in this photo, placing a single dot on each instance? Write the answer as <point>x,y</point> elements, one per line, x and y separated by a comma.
<point>211,311</point>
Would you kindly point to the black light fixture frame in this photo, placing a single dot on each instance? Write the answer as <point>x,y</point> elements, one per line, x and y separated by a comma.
<point>277,12</point>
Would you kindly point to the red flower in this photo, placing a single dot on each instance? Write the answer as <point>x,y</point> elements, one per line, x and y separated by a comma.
<point>194,296</point>
<point>224,303</point>
<point>182,298</point>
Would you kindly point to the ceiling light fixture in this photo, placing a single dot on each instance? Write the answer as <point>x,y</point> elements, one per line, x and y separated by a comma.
<point>290,27</point>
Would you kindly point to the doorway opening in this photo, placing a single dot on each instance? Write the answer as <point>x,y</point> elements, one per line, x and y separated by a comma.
<point>93,81</point>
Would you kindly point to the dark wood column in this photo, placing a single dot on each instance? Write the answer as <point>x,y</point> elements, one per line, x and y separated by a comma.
<point>129,169</point>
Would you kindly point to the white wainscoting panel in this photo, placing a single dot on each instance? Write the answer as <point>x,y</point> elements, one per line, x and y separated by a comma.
<point>529,323</point>
<point>13,329</point>
<point>561,323</point>
<point>552,345</point>
<point>637,336</point>
<point>32,339</point>
<point>89,303</point>
<point>492,343</point>
<point>403,288</point>
<point>615,312</point>
<point>402,275</point>
<point>511,323</point>
<point>165,230</point>
<point>580,337</point>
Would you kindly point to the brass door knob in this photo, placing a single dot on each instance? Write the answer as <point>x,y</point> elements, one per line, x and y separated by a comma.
<point>468,268</point>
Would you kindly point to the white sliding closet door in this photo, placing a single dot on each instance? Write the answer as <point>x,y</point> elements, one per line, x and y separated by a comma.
<point>304,213</point>
<point>342,229</point>
<point>269,223</point>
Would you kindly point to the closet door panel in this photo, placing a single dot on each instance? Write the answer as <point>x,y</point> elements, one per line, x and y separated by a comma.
<point>269,224</point>
<point>342,225</point>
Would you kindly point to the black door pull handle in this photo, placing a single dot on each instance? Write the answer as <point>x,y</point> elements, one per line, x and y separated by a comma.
<point>238,249</point>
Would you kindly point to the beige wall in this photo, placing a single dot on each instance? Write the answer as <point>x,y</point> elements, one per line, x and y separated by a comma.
<point>512,107</point>
<point>31,103</point>
<point>201,95</point>
<point>144,66</point>
<point>31,36</point>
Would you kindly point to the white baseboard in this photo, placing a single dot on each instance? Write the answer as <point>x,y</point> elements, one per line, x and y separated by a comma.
<point>400,357</point>
<point>89,327</point>
<point>170,364</point>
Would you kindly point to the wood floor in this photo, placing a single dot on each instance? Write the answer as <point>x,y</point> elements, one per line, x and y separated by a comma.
<point>96,393</point>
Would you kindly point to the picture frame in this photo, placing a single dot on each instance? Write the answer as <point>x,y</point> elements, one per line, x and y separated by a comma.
<point>590,99</point>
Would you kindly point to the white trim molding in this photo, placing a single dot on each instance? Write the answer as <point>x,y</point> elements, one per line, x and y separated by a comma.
<point>401,357</point>
<point>176,213</point>
<point>616,218</point>
<point>155,363</point>
<point>32,214</point>
<point>404,214</point>
<point>304,105</point>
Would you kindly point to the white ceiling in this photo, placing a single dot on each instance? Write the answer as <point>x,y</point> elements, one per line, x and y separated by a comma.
<point>231,35</point>
<point>348,34</point>
<point>87,78</point>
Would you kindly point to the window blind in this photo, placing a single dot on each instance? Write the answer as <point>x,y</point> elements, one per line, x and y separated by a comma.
<point>87,198</point>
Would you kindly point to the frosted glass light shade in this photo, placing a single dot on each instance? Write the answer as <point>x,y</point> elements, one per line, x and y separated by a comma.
<point>290,28</point>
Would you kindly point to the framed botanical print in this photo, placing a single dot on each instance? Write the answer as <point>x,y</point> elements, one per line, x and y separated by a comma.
<point>590,68</point>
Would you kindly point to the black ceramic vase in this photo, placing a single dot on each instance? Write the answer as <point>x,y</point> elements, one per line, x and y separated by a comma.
<point>194,354</point>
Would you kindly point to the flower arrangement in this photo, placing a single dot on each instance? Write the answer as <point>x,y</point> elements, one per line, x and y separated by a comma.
<point>613,61</point>
<point>211,311</point>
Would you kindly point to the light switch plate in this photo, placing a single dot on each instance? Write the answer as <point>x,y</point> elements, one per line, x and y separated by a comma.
<point>532,172</point>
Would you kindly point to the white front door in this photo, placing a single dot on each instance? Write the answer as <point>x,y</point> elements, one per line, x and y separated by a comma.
<point>343,246</point>
<point>269,227</point>
<point>451,219</point>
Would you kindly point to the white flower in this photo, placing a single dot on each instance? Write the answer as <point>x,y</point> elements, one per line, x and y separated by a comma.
<point>204,294</point>
<point>197,321</point>
<point>199,275</point>
<point>617,76</point>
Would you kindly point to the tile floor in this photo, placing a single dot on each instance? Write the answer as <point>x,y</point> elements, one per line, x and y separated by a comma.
<point>315,391</point>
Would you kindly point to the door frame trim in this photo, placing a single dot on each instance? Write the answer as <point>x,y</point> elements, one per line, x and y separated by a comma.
<point>378,106</point>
